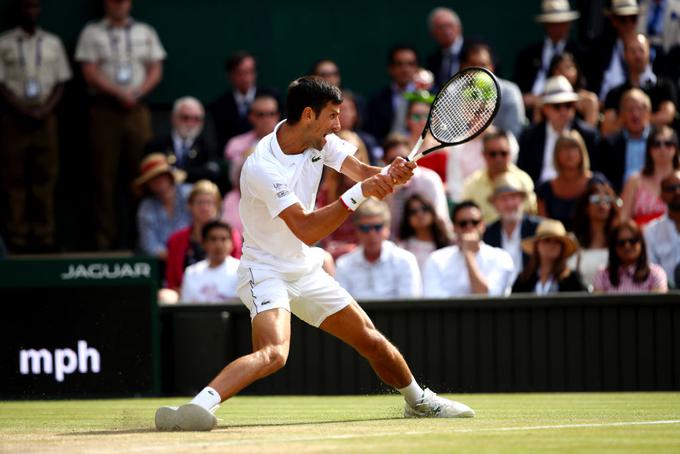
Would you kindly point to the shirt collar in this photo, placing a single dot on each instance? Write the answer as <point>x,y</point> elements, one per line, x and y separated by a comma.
<point>456,46</point>
<point>645,133</point>
<point>248,97</point>
<point>23,34</point>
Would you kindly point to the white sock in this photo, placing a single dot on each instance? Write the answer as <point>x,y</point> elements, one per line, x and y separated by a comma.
<point>208,398</point>
<point>412,393</point>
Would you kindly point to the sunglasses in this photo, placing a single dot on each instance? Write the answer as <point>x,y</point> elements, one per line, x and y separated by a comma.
<point>563,105</point>
<point>621,242</point>
<point>416,210</point>
<point>418,117</point>
<point>185,117</point>
<point>463,223</point>
<point>365,228</point>
<point>663,143</point>
<point>260,114</point>
<point>671,187</point>
<point>596,199</point>
<point>493,154</point>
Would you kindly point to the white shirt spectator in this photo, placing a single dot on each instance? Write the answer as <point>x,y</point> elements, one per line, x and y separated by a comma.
<point>513,245</point>
<point>446,275</point>
<point>203,284</point>
<point>394,275</point>
<point>663,246</point>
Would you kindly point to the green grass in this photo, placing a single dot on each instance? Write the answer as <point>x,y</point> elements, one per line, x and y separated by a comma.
<point>597,422</point>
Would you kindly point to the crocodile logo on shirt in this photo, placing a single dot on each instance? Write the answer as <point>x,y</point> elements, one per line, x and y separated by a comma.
<point>315,158</point>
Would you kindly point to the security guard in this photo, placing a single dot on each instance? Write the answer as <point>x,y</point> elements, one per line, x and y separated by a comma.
<point>33,69</point>
<point>122,61</point>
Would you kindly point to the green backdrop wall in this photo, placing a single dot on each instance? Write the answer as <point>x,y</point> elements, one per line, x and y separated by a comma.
<point>289,36</point>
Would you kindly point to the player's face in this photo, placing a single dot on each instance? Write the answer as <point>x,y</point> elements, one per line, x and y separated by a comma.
<point>327,122</point>
<point>217,244</point>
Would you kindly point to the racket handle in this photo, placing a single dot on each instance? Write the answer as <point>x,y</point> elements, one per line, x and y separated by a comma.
<point>415,149</point>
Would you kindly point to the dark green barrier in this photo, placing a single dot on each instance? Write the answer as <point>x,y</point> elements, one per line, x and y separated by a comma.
<point>78,328</point>
<point>561,343</point>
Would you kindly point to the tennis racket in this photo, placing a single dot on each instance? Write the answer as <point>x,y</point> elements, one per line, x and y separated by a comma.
<point>464,107</point>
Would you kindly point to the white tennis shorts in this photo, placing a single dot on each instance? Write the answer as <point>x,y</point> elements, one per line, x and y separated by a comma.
<point>312,298</point>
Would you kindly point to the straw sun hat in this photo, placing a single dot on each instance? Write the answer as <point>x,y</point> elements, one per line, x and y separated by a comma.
<point>156,164</point>
<point>550,228</point>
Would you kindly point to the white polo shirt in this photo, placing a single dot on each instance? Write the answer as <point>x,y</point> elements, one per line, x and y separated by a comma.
<point>203,284</point>
<point>446,275</point>
<point>271,181</point>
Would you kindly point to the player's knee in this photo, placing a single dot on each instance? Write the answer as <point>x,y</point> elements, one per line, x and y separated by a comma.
<point>275,357</point>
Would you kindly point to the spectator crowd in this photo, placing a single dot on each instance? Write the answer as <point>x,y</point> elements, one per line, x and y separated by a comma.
<point>574,188</point>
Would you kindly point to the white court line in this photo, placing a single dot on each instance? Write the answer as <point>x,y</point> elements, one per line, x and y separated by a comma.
<point>207,443</point>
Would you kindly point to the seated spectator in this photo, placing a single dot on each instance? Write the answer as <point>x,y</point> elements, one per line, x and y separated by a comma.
<point>470,266</point>
<point>377,268</point>
<point>587,105</point>
<point>328,70</point>
<point>212,280</point>
<point>416,117</point>
<point>185,245</point>
<point>537,142</point>
<point>642,192</point>
<point>497,156</point>
<point>185,146</point>
<point>595,214</point>
<point>663,235</point>
<point>628,269</point>
<point>263,116</point>
<point>557,197</point>
<point>351,119</point>
<point>660,90</point>
<point>514,224</point>
<point>163,210</point>
<point>424,182</point>
<point>547,270</point>
<point>421,231</point>
<point>511,116</point>
<point>623,153</point>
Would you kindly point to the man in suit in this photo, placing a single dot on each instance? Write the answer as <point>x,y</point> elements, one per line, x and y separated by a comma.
<point>184,145</point>
<point>533,62</point>
<point>513,224</point>
<point>230,111</point>
<point>387,109</point>
<point>447,31</point>
<point>537,142</point>
<point>623,153</point>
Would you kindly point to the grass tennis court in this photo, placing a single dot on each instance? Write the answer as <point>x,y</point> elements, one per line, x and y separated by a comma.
<point>597,422</point>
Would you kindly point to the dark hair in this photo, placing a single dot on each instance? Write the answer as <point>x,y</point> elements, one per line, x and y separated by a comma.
<point>648,168</point>
<point>559,58</point>
<point>641,264</point>
<point>471,48</point>
<point>399,48</point>
<point>236,59</point>
<point>310,91</point>
<point>216,224</point>
<point>494,133</point>
<point>437,228</point>
<point>462,205</point>
<point>581,224</point>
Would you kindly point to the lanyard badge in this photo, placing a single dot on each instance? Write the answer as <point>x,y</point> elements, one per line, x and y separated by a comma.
<point>123,69</point>
<point>32,88</point>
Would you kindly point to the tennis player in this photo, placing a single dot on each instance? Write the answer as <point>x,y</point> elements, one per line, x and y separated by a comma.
<point>280,275</point>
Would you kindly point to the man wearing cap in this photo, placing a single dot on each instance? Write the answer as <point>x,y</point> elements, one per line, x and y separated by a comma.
<point>185,145</point>
<point>662,236</point>
<point>533,62</point>
<point>537,142</point>
<point>498,160</point>
<point>470,267</point>
<point>640,75</point>
<point>122,62</point>
<point>608,68</point>
<point>514,224</point>
<point>33,70</point>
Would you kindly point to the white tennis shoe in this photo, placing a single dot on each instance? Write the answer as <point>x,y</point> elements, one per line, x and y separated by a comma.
<point>433,406</point>
<point>190,417</point>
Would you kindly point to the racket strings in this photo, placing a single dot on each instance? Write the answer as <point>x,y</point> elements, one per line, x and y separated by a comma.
<point>464,107</point>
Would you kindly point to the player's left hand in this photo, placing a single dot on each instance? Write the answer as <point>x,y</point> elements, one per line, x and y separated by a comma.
<point>401,170</point>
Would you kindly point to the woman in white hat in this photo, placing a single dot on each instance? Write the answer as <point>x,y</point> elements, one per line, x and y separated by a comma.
<point>547,270</point>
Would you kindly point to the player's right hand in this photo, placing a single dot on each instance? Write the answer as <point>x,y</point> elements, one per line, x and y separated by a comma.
<point>378,186</point>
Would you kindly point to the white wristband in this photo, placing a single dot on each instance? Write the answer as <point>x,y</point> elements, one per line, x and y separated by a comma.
<point>353,197</point>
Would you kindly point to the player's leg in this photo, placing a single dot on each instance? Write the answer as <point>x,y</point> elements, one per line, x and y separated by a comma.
<point>271,344</point>
<point>353,326</point>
